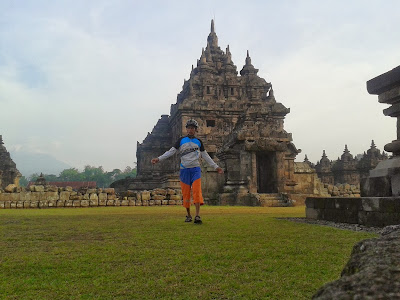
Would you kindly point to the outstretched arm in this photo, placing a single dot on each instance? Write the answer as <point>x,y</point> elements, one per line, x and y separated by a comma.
<point>167,154</point>
<point>210,161</point>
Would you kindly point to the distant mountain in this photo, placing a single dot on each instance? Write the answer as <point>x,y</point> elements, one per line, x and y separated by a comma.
<point>30,163</point>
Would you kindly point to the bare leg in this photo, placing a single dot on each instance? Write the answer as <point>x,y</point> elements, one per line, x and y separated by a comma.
<point>188,211</point>
<point>197,205</point>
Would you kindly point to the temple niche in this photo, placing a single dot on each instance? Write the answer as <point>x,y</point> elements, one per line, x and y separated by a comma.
<point>8,169</point>
<point>240,123</point>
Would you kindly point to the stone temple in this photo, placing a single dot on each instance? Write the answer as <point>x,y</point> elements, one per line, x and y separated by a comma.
<point>8,169</point>
<point>241,124</point>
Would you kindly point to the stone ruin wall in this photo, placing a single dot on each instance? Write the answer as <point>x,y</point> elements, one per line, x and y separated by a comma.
<point>39,196</point>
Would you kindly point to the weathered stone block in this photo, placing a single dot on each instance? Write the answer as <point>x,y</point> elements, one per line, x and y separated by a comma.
<point>14,196</point>
<point>145,195</point>
<point>5,197</point>
<point>138,196</point>
<point>51,188</point>
<point>43,204</point>
<point>319,203</point>
<point>61,203</point>
<point>103,202</point>
<point>85,196</point>
<point>20,204</point>
<point>7,204</point>
<point>111,197</point>
<point>76,203</point>
<point>227,198</point>
<point>175,197</point>
<point>68,189</point>
<point>171,202</point>
<point>131,202</point>
<point>156,202</point>
<point>158,197</point>
<point>110,202</point>
<point>109,191</point>
<point>34,204</point>
<point>74,197</point>
<point>171,192</point>
<point>37,196</point>
<point>2,204</point>
<point>84,203</point>
<point>93,196</point>
<point>11,188</point>
<point>94,202</point>
<point>38,188</point>
<point>151,202</point>
<point>64,195</point>
<point>25,196</point>
<point>145,202</point>
<point>102,196</point>
<point>52,203</point>
<point>312,213</point>
<point>158,192</point>
<point>124,202</point>
<point>92,191</point>
<point>389,205</point>
<point>69,203</point>
<point>348,203</point>
<point>370,204</point>
<point>330,203</point>
<point>164,202</point>
<point>51,196</point>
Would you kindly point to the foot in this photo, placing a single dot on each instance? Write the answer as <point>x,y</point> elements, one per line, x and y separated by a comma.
<point>188,219</point>
<point>197,220</point>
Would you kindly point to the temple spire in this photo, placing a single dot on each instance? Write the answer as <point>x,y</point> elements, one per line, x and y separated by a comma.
<point>248,68</point>
<point>248,59</point>
<point>212,37</point>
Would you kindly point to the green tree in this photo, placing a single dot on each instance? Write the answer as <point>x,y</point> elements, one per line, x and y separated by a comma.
<point>23,181</point>
<point>71,174</point>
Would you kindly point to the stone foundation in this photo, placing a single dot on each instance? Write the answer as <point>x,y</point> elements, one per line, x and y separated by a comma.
<point>368,211</point>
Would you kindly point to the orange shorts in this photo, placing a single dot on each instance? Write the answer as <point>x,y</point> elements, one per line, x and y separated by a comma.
<point>188,186</point>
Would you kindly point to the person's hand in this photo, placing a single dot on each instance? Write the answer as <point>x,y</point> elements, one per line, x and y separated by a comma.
<point>155,160</point>
<point>219,170</point>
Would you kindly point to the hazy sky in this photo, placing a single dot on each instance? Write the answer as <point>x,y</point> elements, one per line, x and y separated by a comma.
<point>84,81</point>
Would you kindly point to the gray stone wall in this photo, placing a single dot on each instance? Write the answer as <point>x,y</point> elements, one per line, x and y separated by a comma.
<point>343,190</point>
<point>368,211</point>
<point>39,196</point>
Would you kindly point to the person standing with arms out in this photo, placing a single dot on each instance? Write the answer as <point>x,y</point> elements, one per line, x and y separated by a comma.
<point>191,149</point>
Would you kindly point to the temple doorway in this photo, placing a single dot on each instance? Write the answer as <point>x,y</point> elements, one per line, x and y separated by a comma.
<point>266,172</point>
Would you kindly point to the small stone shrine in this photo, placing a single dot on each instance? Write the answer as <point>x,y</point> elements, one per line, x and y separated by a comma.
<point>8,170</point>
<point>384,180</point>
<point>241,124</point>
<point>348,169</point>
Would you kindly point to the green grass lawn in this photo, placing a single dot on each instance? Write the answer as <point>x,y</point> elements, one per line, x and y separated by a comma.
<point>150,253</point>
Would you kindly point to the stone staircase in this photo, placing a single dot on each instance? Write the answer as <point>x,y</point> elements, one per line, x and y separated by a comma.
<point>274,200</point>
